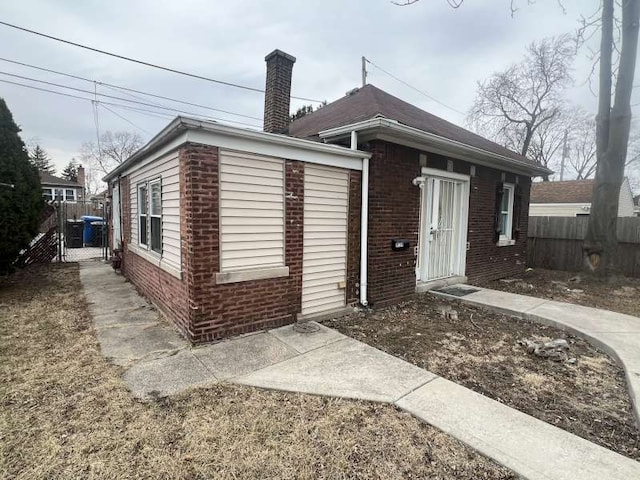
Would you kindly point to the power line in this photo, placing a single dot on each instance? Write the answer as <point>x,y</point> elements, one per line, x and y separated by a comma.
<point>412,87</point>
<point>81,90</point>
<point>126,89</point>
<point>125,119</point>
<point>147,64</point>
<point>123,106</point>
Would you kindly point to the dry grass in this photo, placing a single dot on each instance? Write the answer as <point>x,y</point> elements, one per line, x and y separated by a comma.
<point>480,350</point>
<point>65,413</point>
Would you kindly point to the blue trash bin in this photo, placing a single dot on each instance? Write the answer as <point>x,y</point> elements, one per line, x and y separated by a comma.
<point>87,233</point>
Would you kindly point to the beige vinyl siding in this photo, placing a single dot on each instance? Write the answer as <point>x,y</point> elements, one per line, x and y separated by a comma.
<point>326,199</point>
<point>625,201</point>
<point>167,169</point>
<point>251,212</point>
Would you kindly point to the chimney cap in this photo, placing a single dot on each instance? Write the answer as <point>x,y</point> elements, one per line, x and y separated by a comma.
<point>280,53</point>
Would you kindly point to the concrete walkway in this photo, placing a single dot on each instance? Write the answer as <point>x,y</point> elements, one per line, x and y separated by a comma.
<point>328,363</point>
<point>615,333</point>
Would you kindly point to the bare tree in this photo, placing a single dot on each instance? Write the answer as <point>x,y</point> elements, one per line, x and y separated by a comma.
<point>547,143</point>
<point>581,145</point>
<point>613,124</point>
<point>112,149</point>
<point>618,22</point>
<point>512,107</point>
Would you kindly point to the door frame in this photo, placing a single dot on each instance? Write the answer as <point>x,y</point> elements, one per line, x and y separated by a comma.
<point>462,226</point>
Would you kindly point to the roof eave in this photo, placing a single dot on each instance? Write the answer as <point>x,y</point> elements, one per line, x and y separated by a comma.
<point>181,124</point>
<point>385,128</point>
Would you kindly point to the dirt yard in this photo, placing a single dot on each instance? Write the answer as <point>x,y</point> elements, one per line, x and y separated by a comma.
<point>65,413</point>
<point>480,350</point>
<point>620,295</point>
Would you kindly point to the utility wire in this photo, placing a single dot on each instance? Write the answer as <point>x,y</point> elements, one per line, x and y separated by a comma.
<point>147,64</point>
<point>413,88</point>
<point>125,119</point>
<point>124,106</point>
<point>126,89</point>
<point>177,110</point>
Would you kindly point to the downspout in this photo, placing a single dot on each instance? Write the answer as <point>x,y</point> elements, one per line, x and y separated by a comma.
<point>364,222</point>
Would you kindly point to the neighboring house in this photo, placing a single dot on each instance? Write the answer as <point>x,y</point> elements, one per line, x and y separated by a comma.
<point>572,198</point>
<point>367,200</point>
<point>60,189</point>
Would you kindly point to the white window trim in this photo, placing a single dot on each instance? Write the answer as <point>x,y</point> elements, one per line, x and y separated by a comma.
<point>150,214</point>
<point>139,186</point>
<point>74,195</point>
<point>506,237</point>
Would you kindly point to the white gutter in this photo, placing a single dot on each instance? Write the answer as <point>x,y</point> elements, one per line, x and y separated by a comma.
<point>450,147</point>
<point>181,124</point>
<point>364,221</point>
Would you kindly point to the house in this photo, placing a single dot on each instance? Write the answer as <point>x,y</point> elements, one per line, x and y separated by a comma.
<point>60,189</point>
<point>365,201</point>
<point>572,198</point>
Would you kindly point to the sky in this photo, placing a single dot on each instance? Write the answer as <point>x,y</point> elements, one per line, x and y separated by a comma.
<point>439,50</point>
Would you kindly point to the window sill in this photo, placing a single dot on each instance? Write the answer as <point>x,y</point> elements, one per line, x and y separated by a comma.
<point>505,242</point>
<point>248,275</point>
<point>155,259</point>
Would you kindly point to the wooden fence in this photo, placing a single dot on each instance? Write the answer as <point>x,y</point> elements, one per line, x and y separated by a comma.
<point>556,243</point>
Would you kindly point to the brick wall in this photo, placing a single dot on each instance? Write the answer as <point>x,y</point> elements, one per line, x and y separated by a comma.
<point>394,212</point>
<point>485,260</point>
<point>203,310</point>
<point>229,309</point>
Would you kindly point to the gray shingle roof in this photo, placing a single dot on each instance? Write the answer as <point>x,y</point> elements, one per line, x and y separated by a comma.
<point>48,179</point>
<point>369,102</point>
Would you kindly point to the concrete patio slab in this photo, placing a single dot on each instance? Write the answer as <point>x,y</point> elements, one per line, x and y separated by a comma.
<point>305,342</point>
<point>347,369</point>
<point>124,345</point>
<point>101,301</point>
<point>242,355</point>
<point>167,376</point>
<point>138,316</point>
<point>528,446</point>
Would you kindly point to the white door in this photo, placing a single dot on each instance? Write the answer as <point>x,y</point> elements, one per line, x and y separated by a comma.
<point>324,258</point>
<point>443,228</point>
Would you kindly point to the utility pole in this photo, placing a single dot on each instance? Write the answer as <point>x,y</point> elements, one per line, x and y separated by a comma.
<point>364,71</point>
<point>564,153</point>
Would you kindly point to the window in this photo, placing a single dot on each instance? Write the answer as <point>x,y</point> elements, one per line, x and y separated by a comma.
<point>143,205</point>
<point>150,215</point>
<point>506,212</point>
<point>59,194</point>
<point>47,193</point>
<point>70,195</point>
<point>156,216</point>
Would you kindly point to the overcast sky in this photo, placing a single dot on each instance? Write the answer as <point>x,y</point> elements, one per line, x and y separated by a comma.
<point>439,50</point>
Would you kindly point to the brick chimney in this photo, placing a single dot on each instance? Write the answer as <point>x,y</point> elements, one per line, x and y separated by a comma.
<point>81,180</point>
<point>277,95</point>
